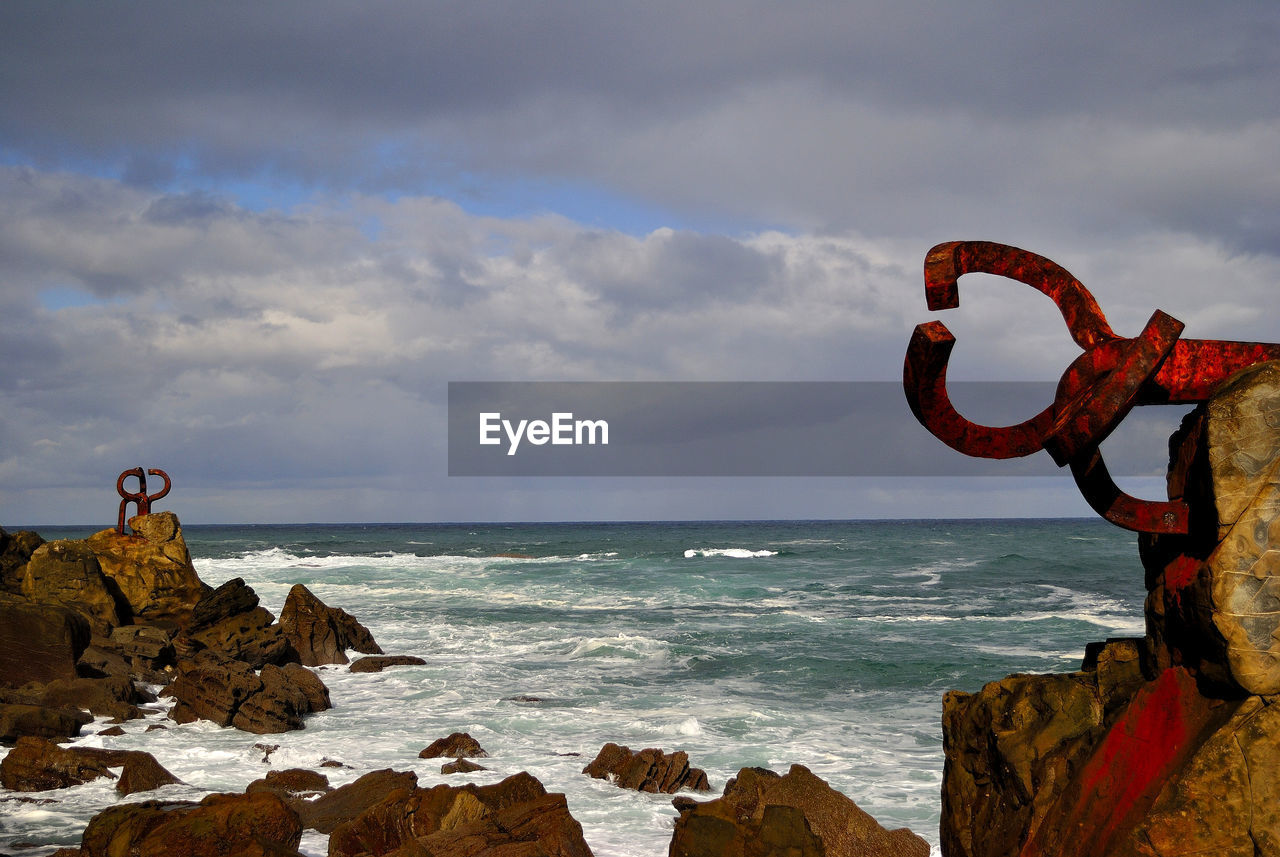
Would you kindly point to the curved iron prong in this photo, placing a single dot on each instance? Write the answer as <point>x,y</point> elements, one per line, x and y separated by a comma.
<point>156,471</point>
<point>947,262</point>
<point>1125,510</point>
<point>924,378</point>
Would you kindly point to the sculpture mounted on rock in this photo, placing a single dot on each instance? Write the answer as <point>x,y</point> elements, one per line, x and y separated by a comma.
<point>140,498</point>
<point>1165,745</point>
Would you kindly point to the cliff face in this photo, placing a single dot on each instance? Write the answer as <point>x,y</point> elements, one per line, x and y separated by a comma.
<point>1165,745</point>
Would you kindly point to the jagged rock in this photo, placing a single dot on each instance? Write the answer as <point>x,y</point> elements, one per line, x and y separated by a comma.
<point>228,620</point>
<point>114,697</point>
<point>151,568</point>
<point>247,825</point>
<point>35,765</point>
<point>39,642</point>
<point>293,782</point>
<point>648,770</point>
<point>17,720</point>
<point>377,663</point>
<point>15,550</point>
<point>342,804</point>
<point>112,731</point>
<point>322,634</point>
<point>461,766</point>
<point>762,814</point>
<point>229,693</point>
<point>513,817</point>
<point>459,745</point>
<point>65,573</point>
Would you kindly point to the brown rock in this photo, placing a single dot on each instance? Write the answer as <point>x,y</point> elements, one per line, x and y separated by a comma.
<point>229,693</point>
<point>798,814</point>
<point>230,599</point>
<point>151,568</point>
<point>322,634</point>
<point>253,825</point>
<point>17,720</point>
<point>648,770</point>
<point>35,764</point>
<point>112,731</point>
<point>459,745</point>
<point>229,621</point>
<point>38,642</point>
<point>513,817</point>
<point>114,697</point>
<point>461,766</point>
<point>65,573</point>
<point>377,663</point>
<point>294,782</point>
<point>347,802</point>
<point>15,550</point>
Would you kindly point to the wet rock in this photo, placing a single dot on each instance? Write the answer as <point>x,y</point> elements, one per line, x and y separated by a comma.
<point>513,817</point>
<point>229,693</point>
<point>65,573</point>
<point>326,812</point>
<point>35,764</point>
<point>461,766</point>
<point>649,770</point>
<point>17,720</point>
<point>321,634</point>
<point>15,550</point>
<point>152,569</point>
<point>112,731</point>
<point>762,813</point>
<point>229,621</point>
<point>459,745</point>
<point>114,697</point>
<point>39,642</point>
<point>377,663</point>
<point>230,599</point>
<point>292,783</point>
<point>253,825</point>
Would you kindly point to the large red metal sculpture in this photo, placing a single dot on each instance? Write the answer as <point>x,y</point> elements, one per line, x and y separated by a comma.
<point>140,498</point>
<point>1095,393</point>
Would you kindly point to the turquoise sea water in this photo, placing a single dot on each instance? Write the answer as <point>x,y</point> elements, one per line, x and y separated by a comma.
<point>827,644</point>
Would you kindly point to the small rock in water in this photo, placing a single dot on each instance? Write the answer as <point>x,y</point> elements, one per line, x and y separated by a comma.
<point>648,770</point>
<point>460,766</point>
<point>459,745</point>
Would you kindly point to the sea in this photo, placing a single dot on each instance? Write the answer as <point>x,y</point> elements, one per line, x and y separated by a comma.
<point>827,644</point>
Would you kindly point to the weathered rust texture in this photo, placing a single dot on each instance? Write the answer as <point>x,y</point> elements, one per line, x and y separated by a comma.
<point>1096,392</point>
<point>140,498</point>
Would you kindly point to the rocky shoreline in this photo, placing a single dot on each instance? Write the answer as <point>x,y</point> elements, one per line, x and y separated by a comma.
<point>101,627</point>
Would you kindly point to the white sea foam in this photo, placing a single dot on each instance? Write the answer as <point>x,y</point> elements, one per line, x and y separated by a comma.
<point>732,553</point>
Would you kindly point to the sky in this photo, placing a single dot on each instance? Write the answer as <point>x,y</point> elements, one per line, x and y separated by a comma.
<point>251,244</point>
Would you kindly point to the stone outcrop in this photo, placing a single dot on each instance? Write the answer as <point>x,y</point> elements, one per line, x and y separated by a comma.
<point>1165,745</point>
<point>378,663</point>
<point>142,651</point>
<point>19,719</point>
<point>229,693</point>
<point>39,642</point>
<point>15,550</point>
<point>514,817</point>
<point>649,770</point>
<point>461,766</point>
<point>115,697</point>
<point>228,621</point>
<point>247,825</point>
<point>321,634</point>
<point>459,745</point>
<point>35,765</point>
<point>762,813</point>
<point>151,569</point>
<point>343,804</point>
<point>66,573</point>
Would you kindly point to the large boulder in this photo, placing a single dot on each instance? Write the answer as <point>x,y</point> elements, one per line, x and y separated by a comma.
<point>114,696</point>
<point>459,745</point>
<point>322,634</point>
<point>513,817</point>
<point>19,719</point>
<point>762,813</point>
<point>66,573</point>
<point>151,568</point>
<point>15,550</point>
<point>229,693</point>
<point>36,765</point>
<point>648,770</point>
<point>229,621</point>
<point>39,642</point>
<point>341,805</point>
<point>246,825</point>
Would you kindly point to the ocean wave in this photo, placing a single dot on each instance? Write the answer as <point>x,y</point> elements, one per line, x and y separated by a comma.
<point>732,553</point>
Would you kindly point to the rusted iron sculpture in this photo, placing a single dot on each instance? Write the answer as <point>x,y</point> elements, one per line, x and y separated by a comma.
<point>140,498</point>
<point>1095,393</point>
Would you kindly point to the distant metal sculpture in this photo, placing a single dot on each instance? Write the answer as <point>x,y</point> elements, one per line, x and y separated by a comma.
<point>1095,393</point>
<point>140,498</point>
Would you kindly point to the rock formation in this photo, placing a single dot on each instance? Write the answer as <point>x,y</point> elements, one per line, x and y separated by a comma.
<point>15,551</point>
<point>39,642</point>
<point>321,634</point>
<point>378,663</point>
<point>247,825</point>
<point>1165,745</point>
<point>151,569</point>
<point>514,817</point>
<point>66,573</point>
<point>648,770</point>
<point>36,765</point>
<point>459,745</point>
<point>229,693</point>
<point>763,814</point>
<point>228,621</point>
